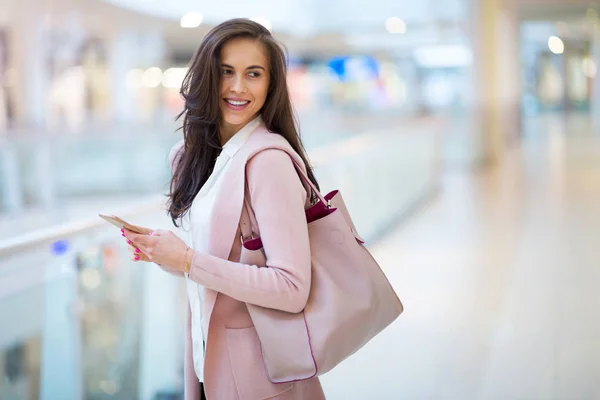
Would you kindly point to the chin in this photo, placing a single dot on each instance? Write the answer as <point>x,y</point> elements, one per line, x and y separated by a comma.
<point>237,119</point>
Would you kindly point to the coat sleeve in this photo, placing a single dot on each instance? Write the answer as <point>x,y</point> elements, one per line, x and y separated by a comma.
<point>277,197</point>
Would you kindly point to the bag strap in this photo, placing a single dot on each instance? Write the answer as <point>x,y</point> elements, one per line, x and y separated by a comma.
<point>248,224</point>
<point>306,181</point>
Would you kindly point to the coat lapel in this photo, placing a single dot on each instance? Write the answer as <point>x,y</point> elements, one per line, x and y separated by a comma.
<point>227,211</point>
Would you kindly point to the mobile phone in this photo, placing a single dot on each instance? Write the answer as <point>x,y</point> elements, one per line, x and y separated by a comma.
<point>120,223</point>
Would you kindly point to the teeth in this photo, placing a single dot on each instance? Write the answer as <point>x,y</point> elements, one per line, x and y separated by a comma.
<point>237,103</point>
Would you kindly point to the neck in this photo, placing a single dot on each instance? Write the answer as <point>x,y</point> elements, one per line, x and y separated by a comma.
<point>227,131</point>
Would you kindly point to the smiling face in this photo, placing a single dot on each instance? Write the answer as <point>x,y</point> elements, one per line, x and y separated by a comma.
<point>244,83</point>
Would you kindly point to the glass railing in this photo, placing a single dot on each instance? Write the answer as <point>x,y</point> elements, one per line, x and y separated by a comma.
<point>79,320</point>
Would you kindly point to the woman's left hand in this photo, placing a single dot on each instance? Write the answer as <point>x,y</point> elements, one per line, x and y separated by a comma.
<point>162,247</point>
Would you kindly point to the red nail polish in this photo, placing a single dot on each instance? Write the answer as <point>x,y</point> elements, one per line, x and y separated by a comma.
<point>122,234</point>
<point>137,258</point>
<point>129,242</point>
<point>137,250</point>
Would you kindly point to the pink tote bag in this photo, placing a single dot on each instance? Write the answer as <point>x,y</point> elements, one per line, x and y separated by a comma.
<point>350,299</point>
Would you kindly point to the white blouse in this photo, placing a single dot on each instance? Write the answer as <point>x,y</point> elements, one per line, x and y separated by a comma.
<point>198,220</point>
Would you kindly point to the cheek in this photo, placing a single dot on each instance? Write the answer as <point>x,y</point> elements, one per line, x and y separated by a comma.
<point>261,93</point>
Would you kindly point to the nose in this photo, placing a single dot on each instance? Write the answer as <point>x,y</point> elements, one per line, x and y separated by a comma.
<point>237,85</point>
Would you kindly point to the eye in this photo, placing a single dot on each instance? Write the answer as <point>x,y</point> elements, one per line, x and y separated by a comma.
<point>227,71</point>
<point>254,74</point>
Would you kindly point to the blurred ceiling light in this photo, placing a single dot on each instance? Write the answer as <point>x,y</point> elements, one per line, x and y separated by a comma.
<point>152,77</point>
<point>395,25</point>
<point>556,45</point>
<point>191,20</point>
<point>589,68</point>
<point>263,21</point>
<point>443,56</point>
<point>173,77</point>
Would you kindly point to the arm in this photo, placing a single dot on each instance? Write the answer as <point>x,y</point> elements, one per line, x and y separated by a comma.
<point>278,199</point>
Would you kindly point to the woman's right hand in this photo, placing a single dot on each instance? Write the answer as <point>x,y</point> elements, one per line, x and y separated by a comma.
<point>136,254</point>
<point>142,257</point>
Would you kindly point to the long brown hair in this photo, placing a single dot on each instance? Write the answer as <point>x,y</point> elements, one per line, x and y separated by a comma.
<point>201,115</point>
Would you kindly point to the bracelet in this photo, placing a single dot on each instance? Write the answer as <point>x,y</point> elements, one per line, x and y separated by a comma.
<point>186,265</point>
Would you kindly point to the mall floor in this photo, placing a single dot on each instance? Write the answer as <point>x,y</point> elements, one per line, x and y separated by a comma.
<point>500,277</point>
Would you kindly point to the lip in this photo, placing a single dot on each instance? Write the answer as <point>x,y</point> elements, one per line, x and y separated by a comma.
<point>236,108</point>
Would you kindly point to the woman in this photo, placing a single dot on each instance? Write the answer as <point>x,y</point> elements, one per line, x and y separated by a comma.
<point>236,94</point>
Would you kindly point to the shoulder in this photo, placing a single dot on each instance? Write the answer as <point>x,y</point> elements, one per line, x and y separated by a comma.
<point>271,163</point>
<point>264,138</point>
<point>275,166</point>
<point>267,149</point>
<point>272,172</point>
<point>270,160</point>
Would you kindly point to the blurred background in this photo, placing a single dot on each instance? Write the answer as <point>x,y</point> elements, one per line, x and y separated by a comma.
<point>462,133</point>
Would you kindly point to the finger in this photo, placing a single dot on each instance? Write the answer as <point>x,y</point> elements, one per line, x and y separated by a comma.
<point>129,241</point>
<point>134,250</point>
<point>132,247</point>
<point>129,235</point>
<point>139,257</point>
<point>137,239</point>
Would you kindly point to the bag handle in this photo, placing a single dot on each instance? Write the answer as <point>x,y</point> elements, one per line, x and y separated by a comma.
<point>307,181</point>
<point>249,225</point>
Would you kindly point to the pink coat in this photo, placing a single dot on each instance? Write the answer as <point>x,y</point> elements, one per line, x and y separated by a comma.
<point>233,366</point>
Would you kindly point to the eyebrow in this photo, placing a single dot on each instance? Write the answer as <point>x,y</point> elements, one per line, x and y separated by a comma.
<point>250,67</point>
